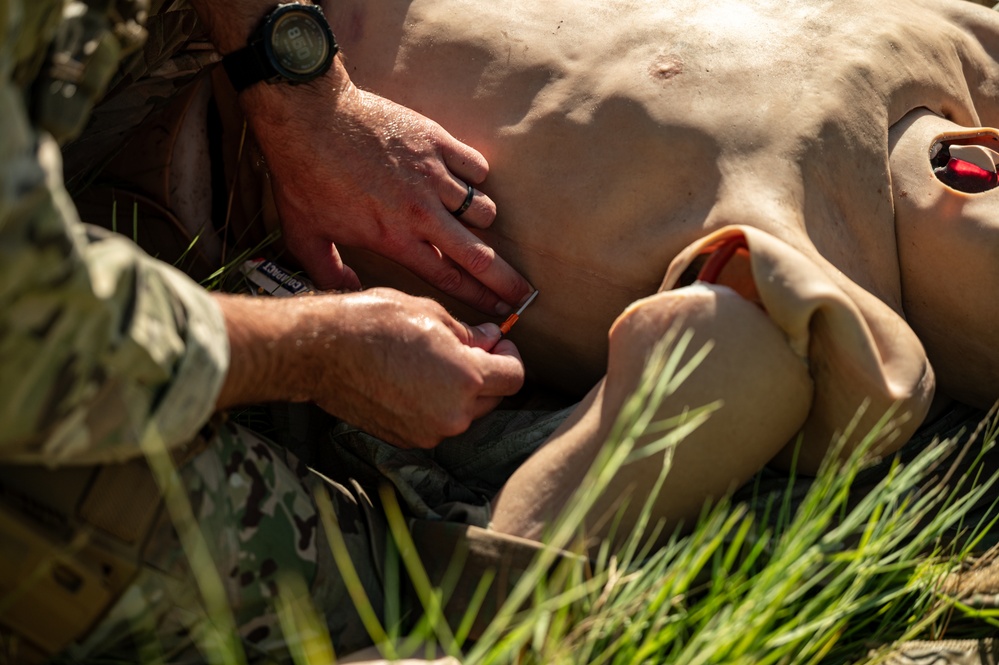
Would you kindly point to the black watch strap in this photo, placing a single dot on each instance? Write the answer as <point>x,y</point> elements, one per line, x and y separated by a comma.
<point>293,43</point>
<point>247,66</point>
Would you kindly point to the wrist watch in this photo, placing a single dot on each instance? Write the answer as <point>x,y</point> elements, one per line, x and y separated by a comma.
<point>294,43</point>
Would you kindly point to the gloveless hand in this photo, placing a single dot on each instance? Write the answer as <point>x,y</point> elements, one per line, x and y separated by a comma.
<point>399,367</point>
<point>354,168</point>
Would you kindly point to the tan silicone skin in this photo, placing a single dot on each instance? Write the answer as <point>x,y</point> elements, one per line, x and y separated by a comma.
<point>627,138</point>
<point>619,135</point>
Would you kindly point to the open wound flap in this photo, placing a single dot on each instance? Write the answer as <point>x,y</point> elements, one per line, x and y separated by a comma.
<point>860,353</point>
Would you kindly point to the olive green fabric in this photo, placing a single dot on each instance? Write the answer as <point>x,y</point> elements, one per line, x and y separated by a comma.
<point>457,480</point>
<point>103,348</point>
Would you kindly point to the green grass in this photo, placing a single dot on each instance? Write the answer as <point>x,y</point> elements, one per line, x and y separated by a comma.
<point>829,581</point>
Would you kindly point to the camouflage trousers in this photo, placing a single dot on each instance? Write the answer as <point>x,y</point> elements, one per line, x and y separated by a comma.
<point>254,508</point>
<point>255,513</point>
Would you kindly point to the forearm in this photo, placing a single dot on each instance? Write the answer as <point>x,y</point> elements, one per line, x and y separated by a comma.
<point>397,366</point>
<point>270,341</point>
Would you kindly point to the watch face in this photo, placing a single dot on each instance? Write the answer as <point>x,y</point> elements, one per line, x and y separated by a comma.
<point>300,43</point>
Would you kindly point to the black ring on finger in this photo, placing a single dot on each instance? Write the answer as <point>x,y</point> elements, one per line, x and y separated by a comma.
<point>460,210</point>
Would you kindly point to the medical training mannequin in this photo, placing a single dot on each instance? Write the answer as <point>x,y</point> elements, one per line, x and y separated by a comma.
<point>767,168</point>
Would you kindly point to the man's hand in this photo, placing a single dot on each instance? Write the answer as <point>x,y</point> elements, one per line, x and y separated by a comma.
<point>353,168</point>
<point>397,366</point>
<point>362,171</point>
<point>411,374</point>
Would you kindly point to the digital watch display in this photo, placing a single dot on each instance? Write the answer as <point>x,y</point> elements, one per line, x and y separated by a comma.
<point>294,44</point>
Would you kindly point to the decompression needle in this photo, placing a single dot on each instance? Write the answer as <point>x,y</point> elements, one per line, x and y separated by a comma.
<point>512,319</point>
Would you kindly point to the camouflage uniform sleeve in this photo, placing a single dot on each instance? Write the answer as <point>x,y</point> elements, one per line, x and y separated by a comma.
<point>100,345</point>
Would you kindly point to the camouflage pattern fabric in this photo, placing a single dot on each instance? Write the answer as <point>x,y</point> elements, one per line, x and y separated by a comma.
<point>100,345</point>
<point>254,503</point>
<point>103,347</point>
<point>457,480</point>
<point>945,652</point>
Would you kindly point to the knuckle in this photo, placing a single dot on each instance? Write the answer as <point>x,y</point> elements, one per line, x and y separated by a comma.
<point>489,210</point>
<point>450,281</point>
<point>469,384</point>
<point>379,232</point>
<point>475,165</point>
<point>515,284</point>
<point>430,305</point>
<point>517,383</point>
<point>417,210</point>
<point>478,259</point>
<point>455,424</point>
<point>479,169</point>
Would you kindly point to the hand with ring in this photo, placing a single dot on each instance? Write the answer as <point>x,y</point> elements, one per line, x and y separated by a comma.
<point>375,175</point>
<point>466,204</point>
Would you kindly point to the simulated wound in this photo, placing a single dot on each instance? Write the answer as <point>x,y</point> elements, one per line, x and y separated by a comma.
<point>967,168</point>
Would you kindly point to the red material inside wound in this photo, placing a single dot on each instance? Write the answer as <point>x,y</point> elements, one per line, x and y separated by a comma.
<point>968,177</point>
<point>729,265</point>
<point>969,170</point>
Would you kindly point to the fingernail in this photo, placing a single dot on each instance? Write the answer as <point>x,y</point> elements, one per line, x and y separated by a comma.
<point>526,297</point>
<point>488,329</point>
<point>503,309</point>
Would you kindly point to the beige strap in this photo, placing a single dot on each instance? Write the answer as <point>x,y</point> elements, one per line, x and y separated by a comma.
<point>71,540</point>
<point>51,593</point>
<point>123,501</point>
